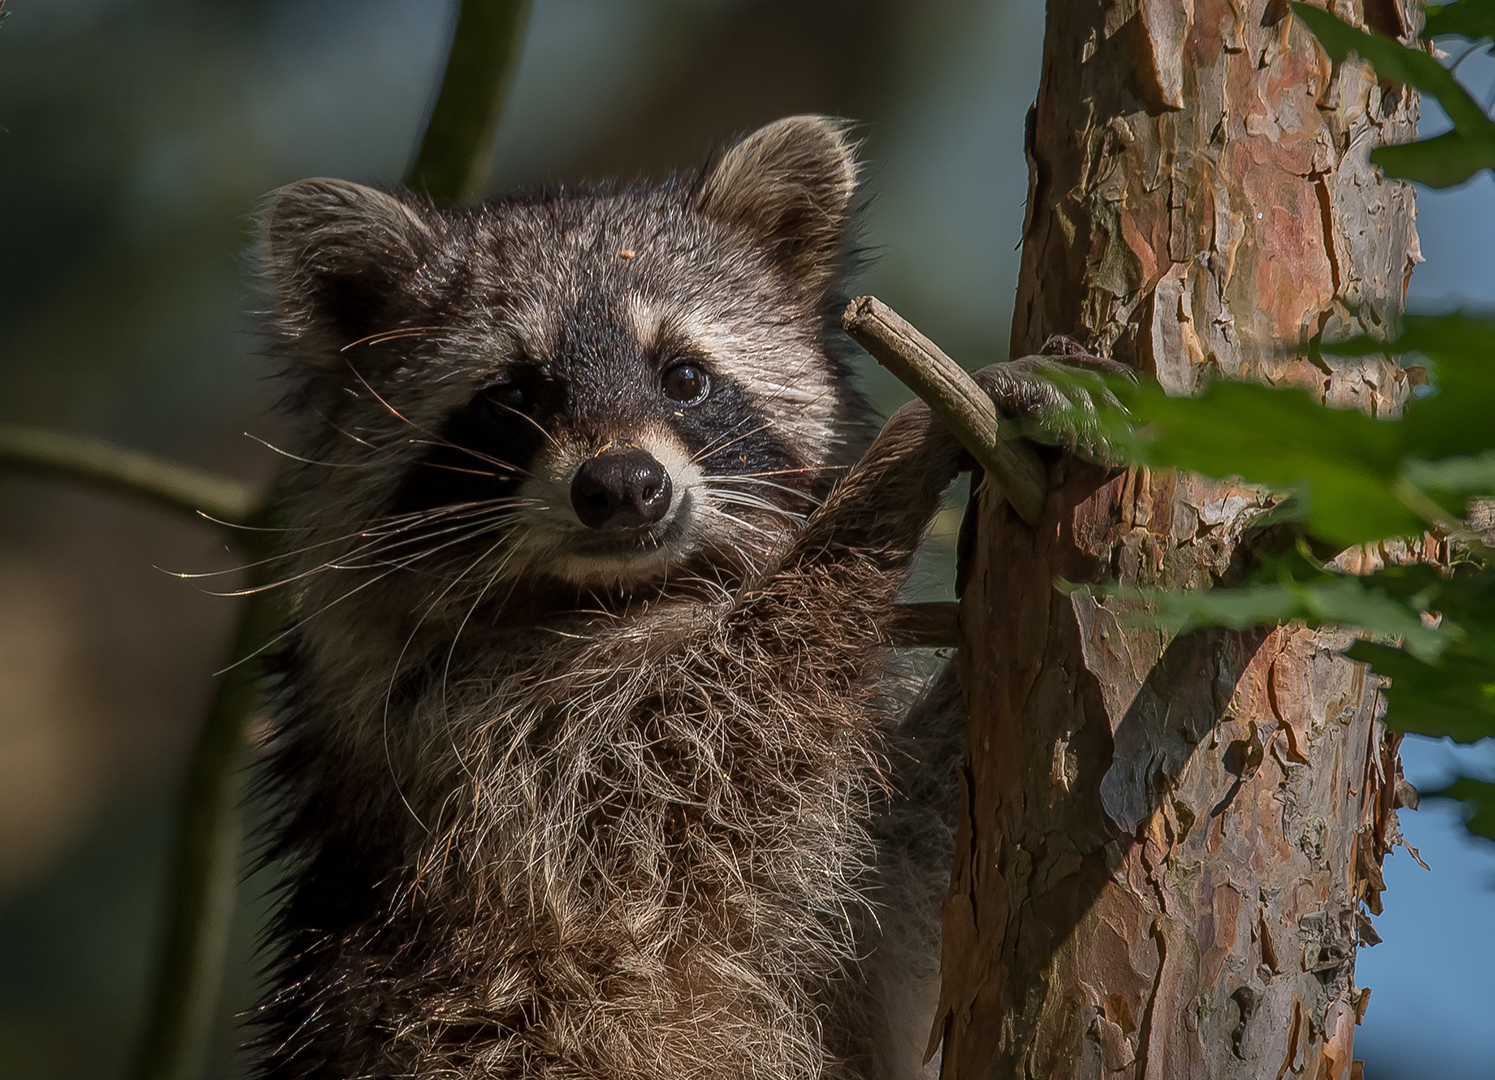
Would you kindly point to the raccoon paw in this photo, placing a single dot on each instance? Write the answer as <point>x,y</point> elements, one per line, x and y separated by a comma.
<point>1056,397</point>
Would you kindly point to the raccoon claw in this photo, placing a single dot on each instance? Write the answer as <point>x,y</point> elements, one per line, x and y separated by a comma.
<point>1064,345</point>
<point>1056,397</point>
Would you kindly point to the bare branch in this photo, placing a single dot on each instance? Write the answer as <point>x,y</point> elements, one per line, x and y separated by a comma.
<point>954,397</point>
<point>104,465</point>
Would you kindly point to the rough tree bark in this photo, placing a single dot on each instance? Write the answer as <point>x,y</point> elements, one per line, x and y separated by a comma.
<point>1168,845</point>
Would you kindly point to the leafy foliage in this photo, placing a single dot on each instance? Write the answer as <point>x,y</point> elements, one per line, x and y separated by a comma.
<point>1450,158</point>
<point>1357,480</point>
<point>1353,479</point>
<point>1478,797</point>
<point>1473,19</point>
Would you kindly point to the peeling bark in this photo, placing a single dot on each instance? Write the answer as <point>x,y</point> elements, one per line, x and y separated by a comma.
<point>1168,844</point>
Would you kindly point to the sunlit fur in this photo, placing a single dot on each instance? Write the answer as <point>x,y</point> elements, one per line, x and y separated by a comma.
<point>561,802</point>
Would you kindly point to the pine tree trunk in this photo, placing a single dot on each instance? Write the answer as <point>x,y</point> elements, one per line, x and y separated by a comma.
<point>1167,845</point>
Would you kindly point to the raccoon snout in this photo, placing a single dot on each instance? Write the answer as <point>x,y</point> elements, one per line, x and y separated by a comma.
<point>621,489</point>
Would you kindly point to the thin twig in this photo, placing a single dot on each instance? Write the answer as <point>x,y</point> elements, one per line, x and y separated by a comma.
<point>113,468</point>
<point>479,71</point>
<point>954,397</point>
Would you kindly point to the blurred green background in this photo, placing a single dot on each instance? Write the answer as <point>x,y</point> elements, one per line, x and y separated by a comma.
<point>136,137</point>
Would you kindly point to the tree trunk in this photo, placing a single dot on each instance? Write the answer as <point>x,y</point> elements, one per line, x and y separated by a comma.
<point>1167,843</point>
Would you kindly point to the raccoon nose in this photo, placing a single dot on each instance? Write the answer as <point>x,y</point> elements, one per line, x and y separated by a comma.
<point>621,489</point>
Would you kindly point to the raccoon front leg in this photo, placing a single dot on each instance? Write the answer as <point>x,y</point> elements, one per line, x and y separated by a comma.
<point>880,510</point>
<point>833,597</point>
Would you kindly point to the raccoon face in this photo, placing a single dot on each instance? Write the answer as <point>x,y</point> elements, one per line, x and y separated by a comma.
<point>597,387</point>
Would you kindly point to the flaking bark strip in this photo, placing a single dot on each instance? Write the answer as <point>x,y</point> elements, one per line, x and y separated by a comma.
<point>1171,237</point>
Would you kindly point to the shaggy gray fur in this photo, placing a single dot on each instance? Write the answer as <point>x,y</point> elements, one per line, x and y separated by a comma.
<point>559,801</point>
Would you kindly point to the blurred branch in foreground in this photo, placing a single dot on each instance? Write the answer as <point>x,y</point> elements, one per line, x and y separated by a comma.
<point>128,472</point>
<point>485,51</point>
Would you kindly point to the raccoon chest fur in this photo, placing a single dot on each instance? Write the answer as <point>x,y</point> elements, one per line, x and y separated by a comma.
<point>576,838</point>
<point>588,759</point>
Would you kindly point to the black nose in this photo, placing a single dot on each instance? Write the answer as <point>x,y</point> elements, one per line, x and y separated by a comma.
<point>621,489</point>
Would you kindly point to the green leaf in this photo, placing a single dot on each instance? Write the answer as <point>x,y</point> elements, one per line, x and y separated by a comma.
<point>1333,599</point>
<point>1472,475</point>
<point>1472,19</point>
<point>1357,478</point>
<point>1441,162</point>
<point>1455,697</point>
<point>1478,797</point>
<point>1454,420</point>
<point>1397,63</point>
<point>1443,337</point>
<point>1345,464</point>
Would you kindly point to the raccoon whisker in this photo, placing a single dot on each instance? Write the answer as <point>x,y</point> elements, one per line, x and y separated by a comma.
<point>744,499</point>
<point>753,502</point>
<point>467,531</point>
<point>391,335</point>
<point>347,434</point>
<point>710,450</point>
<point>299,623</point>
<point>420,518</point>
<point>377,397</point>
<point>185,575</point>
<point>719,512</point>
<point>446,668</point>
<point>533,423</point>
<point>506,467</point>
<point>458,468</point>
<point>248,528</point>
<point>389,757</point>
<point>810,470</point>
<point>380,339</point>
<point>415,514</point>
<point>342,563</point>
<point>477,525</point>
<point>306,460</point>
<point>395,672</point>
<point>402,522</point>
<point>747,482</point>
<point>814,470</point>
<point>437,440</point>
<point>482,529</point>
<point>807,503</point>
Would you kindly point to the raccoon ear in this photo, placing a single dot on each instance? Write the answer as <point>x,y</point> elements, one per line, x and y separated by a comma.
<point>789,185</point>
<point>337,256</point>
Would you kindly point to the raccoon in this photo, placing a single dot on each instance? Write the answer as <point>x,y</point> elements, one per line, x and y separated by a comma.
<point>587,759</point>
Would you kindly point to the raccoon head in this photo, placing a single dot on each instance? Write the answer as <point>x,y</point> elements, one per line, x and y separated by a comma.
<point>599,387</point>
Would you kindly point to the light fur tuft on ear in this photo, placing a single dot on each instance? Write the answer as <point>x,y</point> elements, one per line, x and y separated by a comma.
<point>336,255</point>
<point>789,185</point>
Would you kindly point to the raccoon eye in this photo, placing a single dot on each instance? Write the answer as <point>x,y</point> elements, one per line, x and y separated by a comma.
<point>686,383</point>
<point>510,396</point>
